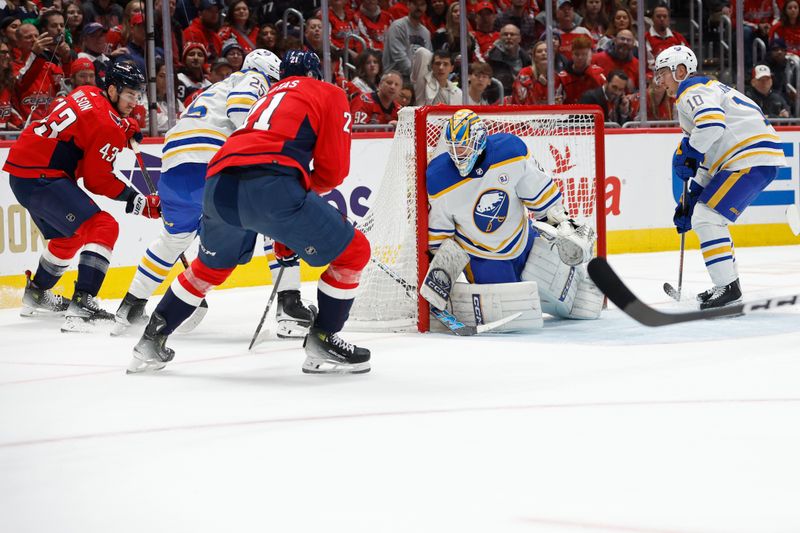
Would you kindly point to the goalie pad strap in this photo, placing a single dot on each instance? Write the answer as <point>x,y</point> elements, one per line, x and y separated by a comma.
<point>446,266</point>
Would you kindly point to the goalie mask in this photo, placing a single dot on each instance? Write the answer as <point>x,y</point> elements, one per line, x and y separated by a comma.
<point>465,136</point>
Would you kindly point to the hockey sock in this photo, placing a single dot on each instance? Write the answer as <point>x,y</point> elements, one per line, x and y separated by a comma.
<point>290,280</point>
<point>157,261</point>
<point>92,267</point>
<point>333,312</point>
<point>174,310</point>
<point>716,245</point>
<point>55,260</point>
<point>338,285</point>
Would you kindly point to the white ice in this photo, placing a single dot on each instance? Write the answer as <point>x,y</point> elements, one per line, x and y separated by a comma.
<point>603,426</point>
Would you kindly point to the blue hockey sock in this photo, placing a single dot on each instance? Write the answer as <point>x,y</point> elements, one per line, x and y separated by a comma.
<point>92,269</point>
<point>45,277</point>
<point>333,312</point>
<point>174,310</point>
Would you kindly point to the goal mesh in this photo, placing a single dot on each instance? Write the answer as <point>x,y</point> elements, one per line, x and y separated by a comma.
<point>565,140</point>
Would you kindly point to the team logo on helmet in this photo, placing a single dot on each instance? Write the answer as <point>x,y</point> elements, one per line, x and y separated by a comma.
<point>491,210</point>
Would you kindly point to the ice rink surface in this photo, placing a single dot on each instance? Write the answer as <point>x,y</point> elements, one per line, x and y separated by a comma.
<point>603,426</point>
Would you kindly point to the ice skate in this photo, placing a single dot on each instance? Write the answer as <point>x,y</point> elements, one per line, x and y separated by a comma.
<point>36,301</point>
<point>293,317</point>
<point>721,296</point>
<point>150,353</point>
<point>83,314</point>
<point>326,353</point>
<point>130,313</point>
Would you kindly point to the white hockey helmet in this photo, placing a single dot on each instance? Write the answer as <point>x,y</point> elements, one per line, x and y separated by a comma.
<point>674,56</point>
<point>465,136</point>
<point>265,62</point>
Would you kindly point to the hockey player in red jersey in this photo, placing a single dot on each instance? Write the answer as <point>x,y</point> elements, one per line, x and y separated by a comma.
<point>261,181</point>
<point>80,138</point>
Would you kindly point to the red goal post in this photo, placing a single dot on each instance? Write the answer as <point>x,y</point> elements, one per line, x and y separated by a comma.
<point>566,140</point>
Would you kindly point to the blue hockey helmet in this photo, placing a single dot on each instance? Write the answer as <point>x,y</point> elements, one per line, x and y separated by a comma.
<point>301,63</point>
<point>125,74</point>
<point>465,136</point>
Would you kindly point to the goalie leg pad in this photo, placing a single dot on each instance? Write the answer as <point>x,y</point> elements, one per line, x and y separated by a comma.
<point>557,281</point>
<point>589,299</point>
<point>475,304</point>
<point>447,265</point>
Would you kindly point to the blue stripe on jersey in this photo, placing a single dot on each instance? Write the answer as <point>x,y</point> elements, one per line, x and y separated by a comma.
<point>548,204</point>
<point>747,104</point>
<point>243,93</point>
<point>506,249</point>
<point>149,275</point>
<point>237,110</point>
<point>760,144</point>
<point>708,110</point>
<point>711,125</point>
<point>435,230</point>
<point>193,140</point>
<point>158,260</point>
<point>715,241</point>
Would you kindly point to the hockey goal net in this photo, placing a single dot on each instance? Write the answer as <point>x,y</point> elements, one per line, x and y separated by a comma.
<point>566,140</point>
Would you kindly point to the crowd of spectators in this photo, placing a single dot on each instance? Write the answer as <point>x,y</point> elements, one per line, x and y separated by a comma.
<point>407,51</point>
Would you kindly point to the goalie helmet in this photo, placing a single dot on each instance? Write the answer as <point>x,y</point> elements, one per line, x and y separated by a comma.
<point>465,136</point>
<point>265,62</point>
<point>674,56</point>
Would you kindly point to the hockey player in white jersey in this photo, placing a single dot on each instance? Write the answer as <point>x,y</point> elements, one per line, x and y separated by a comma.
<point>729,153</point>
<point>188,147</point>
<point>483,194</point>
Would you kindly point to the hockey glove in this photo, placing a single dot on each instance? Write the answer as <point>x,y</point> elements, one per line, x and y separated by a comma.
<point>285,256</point>
<point>686,160</point>
<point>148,206</point>
<point>685,208</point>
<point>132,130</point>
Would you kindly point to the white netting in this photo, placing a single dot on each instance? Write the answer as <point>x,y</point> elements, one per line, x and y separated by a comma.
<point>563,142</point>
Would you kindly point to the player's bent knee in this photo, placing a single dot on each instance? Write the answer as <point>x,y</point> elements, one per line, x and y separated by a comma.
<point>704,215</point>
<point>476,304</point>
<point>204,277</point>
<point>101,228</point>
<point>355,256</point>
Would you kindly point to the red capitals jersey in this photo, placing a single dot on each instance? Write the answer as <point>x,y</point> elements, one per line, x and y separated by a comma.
<point>301,123</point>
<point>367,109</point>
<point>486,41</point>
<point>80,138</point>
<point>37,86</point>
<point>576,84</point>
<point>527,90</point>
<point>340,27</point>
<point>373,30</point>
<point>789,34</point>
<point>9,115</point>
<point>608,63</point>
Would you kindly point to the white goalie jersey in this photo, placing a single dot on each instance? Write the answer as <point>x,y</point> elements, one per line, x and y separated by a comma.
<point>726,126</point>
<point>486,212</point>
<point>211,118</point>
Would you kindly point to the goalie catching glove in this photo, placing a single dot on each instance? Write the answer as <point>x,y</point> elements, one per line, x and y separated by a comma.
<point>574,242</point>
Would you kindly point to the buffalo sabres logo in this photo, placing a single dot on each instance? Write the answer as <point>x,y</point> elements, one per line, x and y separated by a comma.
<point>490,210</point>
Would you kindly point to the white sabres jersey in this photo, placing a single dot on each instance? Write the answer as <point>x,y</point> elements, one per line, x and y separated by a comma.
<point>486,212</point>
<point>726,126</point>
<point>212,117</point>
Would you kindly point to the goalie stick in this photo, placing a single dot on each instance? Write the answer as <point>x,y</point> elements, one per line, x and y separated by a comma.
<point>197,316</point>
<point>612,286</point>
<point>446,318</point>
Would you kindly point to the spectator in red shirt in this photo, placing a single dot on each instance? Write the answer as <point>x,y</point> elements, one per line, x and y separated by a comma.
<point>38,79</point>
<point>660,37</point>
<point>566,28</point>
<point>51,23</point>
<point>372,23</point>
<point>10,119</point>
<point>368,71</point>
<point>342,22</point>
<point>379,107</point>
<point>435,16</point>
<point>620,57</point>
<point>203,29</point>
<point>530,85</point>
<point>594,19</point>
<point>788,27</point>
<point>485,15</point>
<point>240,25</point>
<point>579,75</point>
<point>82,72</point>
<point>660,106</point>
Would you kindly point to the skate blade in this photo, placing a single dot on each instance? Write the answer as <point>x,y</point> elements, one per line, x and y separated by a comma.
<point>319,366</point>
<point>32,312</point>
<point>289,329</point>
<point>142,366</point>
<point>77,324</point>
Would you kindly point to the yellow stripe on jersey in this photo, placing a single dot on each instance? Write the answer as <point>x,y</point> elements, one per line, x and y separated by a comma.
<point>748,153</point>
<point>724,249</point>
<point>481,253</point>
<point>723,190</point>
<point>522,225</point>
<point>451,188</point>
<point>155,268</point>
<point>755,138</point>
<point>509,161</point>
<point>241,100</point>
<point>437,237</point>
<point>545,198</point>
<point>173,153</point>
<point>713,116</point>
<point>709,83</point>
<point>195,132</point>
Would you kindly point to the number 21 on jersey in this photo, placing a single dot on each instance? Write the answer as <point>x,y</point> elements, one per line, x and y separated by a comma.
<point>264,114</point>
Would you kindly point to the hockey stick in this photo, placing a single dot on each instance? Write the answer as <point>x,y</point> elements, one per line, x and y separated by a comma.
<point>269,304</point>
<point>445,317</point>
<point>197,316</point>
<point>671,291</point>
<point>613,287</point>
